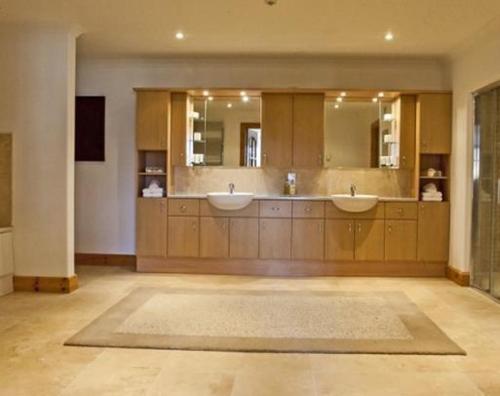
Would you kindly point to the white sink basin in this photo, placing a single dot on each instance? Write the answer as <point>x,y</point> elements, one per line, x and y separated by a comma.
<point>355,204</point>
<point>228,201</point>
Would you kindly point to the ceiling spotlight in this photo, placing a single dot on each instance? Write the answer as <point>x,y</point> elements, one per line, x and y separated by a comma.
<point>210,98</point>
<point>375,100</point>
<point>243,93</point>
<point>339,99</point>
<point>245,98</point>
<point>229,105</point>
<point>336,105</point>
<point>206,93</point>
<point>389,36</point>
<point>343,94</point>
<point>179,35</point>
<point>380,94</point>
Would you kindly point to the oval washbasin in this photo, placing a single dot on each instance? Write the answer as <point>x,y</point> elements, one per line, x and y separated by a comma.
<point>228,201</point>
<point>357,203</point>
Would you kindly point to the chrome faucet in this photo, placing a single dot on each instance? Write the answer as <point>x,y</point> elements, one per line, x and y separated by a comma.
<point>231,188</point>
<point>353,190</point>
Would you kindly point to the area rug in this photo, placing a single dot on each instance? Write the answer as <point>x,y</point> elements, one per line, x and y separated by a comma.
<point>267,321</point>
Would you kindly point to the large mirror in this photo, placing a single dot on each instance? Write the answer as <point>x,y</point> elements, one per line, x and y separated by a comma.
<point>362,133</point>
<point>225,131</point>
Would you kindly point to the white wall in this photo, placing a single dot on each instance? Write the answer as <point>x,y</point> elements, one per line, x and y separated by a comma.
<point>37,87</point>
<point>105,191</point>
<point>472,69</point>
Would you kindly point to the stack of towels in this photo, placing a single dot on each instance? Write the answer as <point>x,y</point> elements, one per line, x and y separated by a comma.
<point>431,193</point>
<point>153,190</point>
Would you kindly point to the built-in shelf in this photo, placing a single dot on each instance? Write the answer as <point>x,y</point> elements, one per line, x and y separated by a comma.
<point>152,174</point>
<point>434,177</point>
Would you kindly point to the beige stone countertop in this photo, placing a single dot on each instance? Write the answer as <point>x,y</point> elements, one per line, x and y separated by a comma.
<point>291,197</point>
<point>5,229</point>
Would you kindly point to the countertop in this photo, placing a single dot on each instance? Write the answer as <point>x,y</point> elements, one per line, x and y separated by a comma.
<point>292,197</point>
<point>5,229</point>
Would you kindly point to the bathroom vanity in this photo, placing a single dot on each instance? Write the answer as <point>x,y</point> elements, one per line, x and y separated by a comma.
<point>398,137</point>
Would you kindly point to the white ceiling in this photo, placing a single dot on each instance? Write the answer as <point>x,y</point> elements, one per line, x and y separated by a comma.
<point>250,27</point>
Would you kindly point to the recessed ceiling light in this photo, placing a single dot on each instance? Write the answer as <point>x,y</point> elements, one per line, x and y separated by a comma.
<point>389,36</point>
<point>179,35</point>
<point>206,93</point>
<point>210,98</point>
<point>243,93</point>
<point>380,94</point>
<point>245,98</point>
<point>343,94</point>
<point>336,105</point>
<point>339,99</point>
<point>229,105</point>
<point>375,100</point>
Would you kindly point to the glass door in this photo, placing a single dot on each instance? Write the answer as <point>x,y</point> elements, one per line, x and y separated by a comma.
<point>486,198</point>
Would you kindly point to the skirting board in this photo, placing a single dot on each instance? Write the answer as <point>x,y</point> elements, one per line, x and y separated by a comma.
<point>105,259</point>
<point>290,268</point>
<point>46,284</point>
<point>459,277</point>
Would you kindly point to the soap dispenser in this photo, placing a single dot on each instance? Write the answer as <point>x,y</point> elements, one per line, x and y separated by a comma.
<point>290,184</point>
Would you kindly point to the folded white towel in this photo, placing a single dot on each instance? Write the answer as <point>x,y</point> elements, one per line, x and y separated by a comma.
<point>426,199</point>
<point>430,187</point>
<point>432,194</point>
<point>152,195</point>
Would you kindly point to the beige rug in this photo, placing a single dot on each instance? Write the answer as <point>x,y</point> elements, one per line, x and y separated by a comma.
<point>267,321</point>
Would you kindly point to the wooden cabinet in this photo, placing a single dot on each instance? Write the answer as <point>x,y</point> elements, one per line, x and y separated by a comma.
<point>339,240</point>
<point>152,118</point>
<point>183,207</point>
<point>275,237</point>
<point>400,240</point>
<point>369,240</point>
<point>151,227</point>
<point>401,210</point>
<point>178,128</point>
<point>408,130</point>
<point>214,237</point>
<point>308,130</point>
<point>183,236</point>
<point>433,231</point>
<point>292,130</point>
<point>244,238</point>
<point>308,239</point>
<point>277,129</point>
<point>308,209</point>
<point>434,123</point>
<point>275,208</point>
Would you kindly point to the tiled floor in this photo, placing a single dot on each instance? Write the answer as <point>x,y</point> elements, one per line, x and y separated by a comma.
<point>34,362</point>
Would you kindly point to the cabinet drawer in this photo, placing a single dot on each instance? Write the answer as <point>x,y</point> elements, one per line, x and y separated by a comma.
<point>314,209</point>
<point>332,212</point>
<point>275,209</point>
<point>401,210</point>
<point>183,207</point>
<point>252,210</point>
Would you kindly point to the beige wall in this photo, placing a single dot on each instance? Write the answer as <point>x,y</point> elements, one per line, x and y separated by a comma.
<point>37,86</point>
<point>472,69</point>
<point>105,193</point>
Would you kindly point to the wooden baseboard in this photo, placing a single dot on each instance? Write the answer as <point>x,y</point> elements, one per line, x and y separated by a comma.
<point>46,284</point>
<point>105,259</point>
<point>459,277</point>
<point>290,268</point>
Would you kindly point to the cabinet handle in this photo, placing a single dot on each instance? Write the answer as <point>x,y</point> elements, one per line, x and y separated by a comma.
<point>350,227</point>
<point>194,226</point>
<point>359,227</point>
<point>275,209</point>
<point>264,158</point>
<point>308,209</point>
<point>183,208</point>
<point>389,228</point>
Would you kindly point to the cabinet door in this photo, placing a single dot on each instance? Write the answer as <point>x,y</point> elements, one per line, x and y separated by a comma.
<point>308,239</point>
<point>401,240</point>
<point>339,244</point>
<point>183,236</point>
<point>434,123</point>
<point>178,130</point>
<point>152,120</point>
<point>308,130</point>
<point>369,240</point>
<point>151,227</point>
<point>433,231</point>
<point>244,238</point>
<point>214,237</point>
<point>277,129</point>
<point>408,129</point>
<point>275,237</point>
